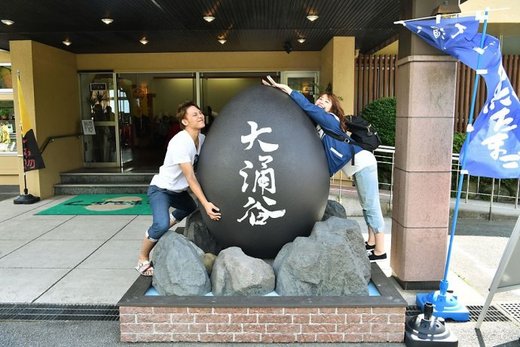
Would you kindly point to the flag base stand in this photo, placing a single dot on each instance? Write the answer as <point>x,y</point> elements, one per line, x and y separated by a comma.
<point>26,199</point>
<point>445,305</point>
<point>428,330</point>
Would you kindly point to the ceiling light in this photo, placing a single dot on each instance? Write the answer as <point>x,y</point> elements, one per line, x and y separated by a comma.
<point>312,17</point>
<point>144,41</point>
<point>209,18</point>
<point>67,42</point>
<point>7,21</point>
<point>222,40</point>
<point>301,40</point>
<point>107,20</point>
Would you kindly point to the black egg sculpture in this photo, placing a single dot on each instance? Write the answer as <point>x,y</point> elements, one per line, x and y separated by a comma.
<point>264,166</point>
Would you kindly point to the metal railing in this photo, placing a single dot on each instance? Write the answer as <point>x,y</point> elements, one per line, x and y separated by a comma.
<point>475,188</point>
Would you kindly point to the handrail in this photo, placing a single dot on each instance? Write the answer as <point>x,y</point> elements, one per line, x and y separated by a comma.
<point>53,138</point>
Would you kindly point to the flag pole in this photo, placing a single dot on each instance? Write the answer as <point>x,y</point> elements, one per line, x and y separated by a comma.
<point>25,198</point>
<point>447,306</point>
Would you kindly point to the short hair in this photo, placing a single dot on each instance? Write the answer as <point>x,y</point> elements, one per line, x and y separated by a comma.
<point>182,109</point>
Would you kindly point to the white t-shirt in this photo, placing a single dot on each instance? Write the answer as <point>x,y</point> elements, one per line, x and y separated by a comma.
<point>181,149</point>
<point>363,159</point>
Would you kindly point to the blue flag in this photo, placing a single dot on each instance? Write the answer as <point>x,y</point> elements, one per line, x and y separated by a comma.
<point>493,149</point>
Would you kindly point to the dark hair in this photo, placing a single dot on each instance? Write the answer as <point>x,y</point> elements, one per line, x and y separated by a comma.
<point>182,109</point>
<point>336,108</point>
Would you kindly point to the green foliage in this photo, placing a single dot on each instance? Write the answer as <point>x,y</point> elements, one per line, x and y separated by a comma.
<point>458,141</point>
<point>381,114</point>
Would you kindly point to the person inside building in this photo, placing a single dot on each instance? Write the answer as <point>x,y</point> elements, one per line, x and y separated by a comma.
<point>328,114</point>
<point>169,188</point>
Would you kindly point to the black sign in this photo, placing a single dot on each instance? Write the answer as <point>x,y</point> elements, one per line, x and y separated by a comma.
<point>32,158</point>
<point>97,86</point>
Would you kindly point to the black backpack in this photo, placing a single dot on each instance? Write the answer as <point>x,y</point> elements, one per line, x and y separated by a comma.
<point>362,132</point>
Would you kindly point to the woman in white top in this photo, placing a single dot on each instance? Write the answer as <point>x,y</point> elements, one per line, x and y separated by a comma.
<point>328,114</point>
<point>169,188</point>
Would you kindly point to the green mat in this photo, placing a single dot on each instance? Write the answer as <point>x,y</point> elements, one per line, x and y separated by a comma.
<point>102,204</point>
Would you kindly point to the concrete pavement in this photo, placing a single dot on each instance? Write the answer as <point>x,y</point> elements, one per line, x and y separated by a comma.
<point>89,260</point>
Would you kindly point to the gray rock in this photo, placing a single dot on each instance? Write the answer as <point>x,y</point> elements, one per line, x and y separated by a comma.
<point>178,267</point>
<point>332,261</point>
<point>197,232</point>
<point>334,208</point>
<point>235,273</point>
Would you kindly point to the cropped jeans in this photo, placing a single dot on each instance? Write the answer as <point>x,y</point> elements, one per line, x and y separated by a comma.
<point>367,186</point>
<point>160,201</point>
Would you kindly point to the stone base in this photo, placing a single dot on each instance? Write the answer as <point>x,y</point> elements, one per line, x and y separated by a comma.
<point>263,319</point>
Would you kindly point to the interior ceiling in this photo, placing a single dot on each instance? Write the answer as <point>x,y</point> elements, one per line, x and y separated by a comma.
<point>178,26</point>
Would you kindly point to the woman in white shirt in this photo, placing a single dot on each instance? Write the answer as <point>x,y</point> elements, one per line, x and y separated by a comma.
<point>169,188</point>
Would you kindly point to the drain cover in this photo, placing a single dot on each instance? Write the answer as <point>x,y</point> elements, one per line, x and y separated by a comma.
<point>58,312</point>
<point>493,314</point>
<point>511,310</point>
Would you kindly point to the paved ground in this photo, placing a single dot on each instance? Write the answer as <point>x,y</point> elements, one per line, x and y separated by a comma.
<point>90,260</point>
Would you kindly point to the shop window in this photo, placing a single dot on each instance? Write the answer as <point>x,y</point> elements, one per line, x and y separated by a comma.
<point>7,127</point>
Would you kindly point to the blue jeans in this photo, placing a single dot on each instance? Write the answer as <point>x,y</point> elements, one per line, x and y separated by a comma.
<point>367,186</point>
<point>160,201</point>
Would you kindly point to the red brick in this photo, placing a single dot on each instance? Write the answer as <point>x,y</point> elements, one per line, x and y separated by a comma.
<point>278,338</point>
<point>136,328</point>
<point>265,310</point>
<point>127,318</point>
<point>244,318</point>
<point>301,318</point>
<point>387,328</point>
<point>301,310</point>
<point>185,337</point>
<point>350,310</point>
<point>306,337</point>
<point>353,318</point>
<point>328,318</point>
<point>128,337</point>
<point>374,318</point>
<point>247,337</point>
<point>253,328</point>
<point>354,328</point>
<point>198,328</point>
<point>353,337</point>
<point>395,318</point>
<point>274,318</point>
<point>374,337</point>
<point>135,309</point>
<point>212,318</point>
<point>154,337</point>
<point>283,328</point>
<point>389,310</point>
<point>177,310</point>
<point>232,310</point>
<point>182,318</point>
<point>171,328</point>
<point>216,337</point>
<point>224,328</point>
<point>153,318</point>
<point>327,310</point>
<point>395,337</point>
<point>192,310</point>
<point>319,328</point>
<point>329,338</point>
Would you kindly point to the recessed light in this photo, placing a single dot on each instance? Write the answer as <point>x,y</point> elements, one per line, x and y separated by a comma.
<point>301,40</point>
<point>107,20</point>
<point>209,18</point>
<point>7,21</point>
<point>312,17</point>
<point>67,42</point>
<point>222,40</point>
<point>143,40</point>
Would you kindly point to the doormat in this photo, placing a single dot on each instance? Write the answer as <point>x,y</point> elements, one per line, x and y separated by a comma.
<point>102,204</point>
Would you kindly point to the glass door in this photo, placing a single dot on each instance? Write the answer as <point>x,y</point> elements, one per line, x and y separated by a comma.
<point>98,120</point>
<point>306,82</point>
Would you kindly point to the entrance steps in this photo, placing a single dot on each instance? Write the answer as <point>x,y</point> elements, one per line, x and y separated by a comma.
<point>75,183</point>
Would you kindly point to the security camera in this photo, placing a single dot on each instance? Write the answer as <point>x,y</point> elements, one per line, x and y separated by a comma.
<point>287,46</point>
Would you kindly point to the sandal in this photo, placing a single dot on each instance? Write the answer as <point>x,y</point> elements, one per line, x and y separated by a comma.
<point>145,268</point>
<point>368,246</point>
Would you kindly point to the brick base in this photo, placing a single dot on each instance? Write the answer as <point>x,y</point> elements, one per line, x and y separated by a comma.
<point>263,319</point>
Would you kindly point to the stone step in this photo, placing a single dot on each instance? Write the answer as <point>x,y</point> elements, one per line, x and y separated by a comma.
<point>75,189</point>
<point>106,178</point>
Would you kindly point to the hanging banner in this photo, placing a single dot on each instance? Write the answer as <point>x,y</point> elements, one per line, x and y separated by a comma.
<point>493,149</point>
<point>32,158</point>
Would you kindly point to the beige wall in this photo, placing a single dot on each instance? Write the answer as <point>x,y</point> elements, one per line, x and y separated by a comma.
<point>200,61</point>
<point>50,86</point>
<point>9,169</point>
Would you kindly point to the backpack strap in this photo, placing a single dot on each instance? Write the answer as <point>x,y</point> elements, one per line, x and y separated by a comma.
<point>345,138</point>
